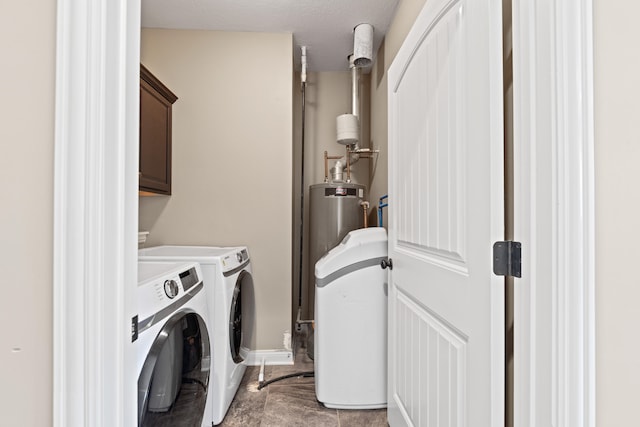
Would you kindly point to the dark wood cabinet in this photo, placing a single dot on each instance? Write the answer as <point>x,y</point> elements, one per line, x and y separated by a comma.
<point>155,134</point>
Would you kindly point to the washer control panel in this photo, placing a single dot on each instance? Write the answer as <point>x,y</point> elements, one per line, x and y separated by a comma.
<point>171,288</point>
<point>161,285</point>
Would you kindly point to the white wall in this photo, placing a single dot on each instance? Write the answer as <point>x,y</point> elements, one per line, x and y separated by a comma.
<point>27,43</point>
<point>232,156</point>
<point>617,153</point>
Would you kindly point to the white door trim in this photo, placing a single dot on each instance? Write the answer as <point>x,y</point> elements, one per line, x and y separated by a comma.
<point>554,213</point>
<point>95,212</point>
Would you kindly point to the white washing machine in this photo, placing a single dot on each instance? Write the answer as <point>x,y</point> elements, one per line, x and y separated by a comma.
<point>172,338</point>
<point>227,277</point>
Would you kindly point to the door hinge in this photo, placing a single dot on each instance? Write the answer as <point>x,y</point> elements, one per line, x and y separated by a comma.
<point>507,258</point>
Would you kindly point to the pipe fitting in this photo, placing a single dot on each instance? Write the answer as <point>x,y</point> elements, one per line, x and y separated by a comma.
<point>336,172</point>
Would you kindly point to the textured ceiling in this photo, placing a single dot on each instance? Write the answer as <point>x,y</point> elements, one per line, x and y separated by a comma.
<point>324,26</point>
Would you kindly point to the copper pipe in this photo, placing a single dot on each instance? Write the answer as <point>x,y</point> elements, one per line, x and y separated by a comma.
<point>364,152</point>
<point>348,164</point>
<point>365,208</point>
<point>326,165</point>
<point>361,152</point>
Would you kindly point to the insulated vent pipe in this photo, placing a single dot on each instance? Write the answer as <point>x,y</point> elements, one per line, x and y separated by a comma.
<point>348,125</point>
<point>363,45</point>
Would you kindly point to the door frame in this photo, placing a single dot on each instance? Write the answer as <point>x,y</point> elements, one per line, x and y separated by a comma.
<point>554,212</point>
<point>95,212</point>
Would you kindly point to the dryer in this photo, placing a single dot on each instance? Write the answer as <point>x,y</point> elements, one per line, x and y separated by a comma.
<point>228,281</point>
<point>172,337</point>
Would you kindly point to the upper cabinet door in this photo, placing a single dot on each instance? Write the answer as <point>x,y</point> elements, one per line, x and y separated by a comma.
<point>155,134</point>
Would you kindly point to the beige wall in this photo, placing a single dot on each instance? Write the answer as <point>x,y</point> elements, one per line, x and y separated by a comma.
<point>26,169</point>
<point>232,150</point>
<point>617,153</point>
<point>27,43</point>
<point>405,16</point>
<point>328,95</point>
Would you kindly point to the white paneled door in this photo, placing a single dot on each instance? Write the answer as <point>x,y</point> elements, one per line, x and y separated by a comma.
<point>446,313</point>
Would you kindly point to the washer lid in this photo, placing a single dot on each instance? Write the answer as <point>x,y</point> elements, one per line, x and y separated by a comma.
<point>357,246</point>
<point>186,252</point>
<point>227,258</point>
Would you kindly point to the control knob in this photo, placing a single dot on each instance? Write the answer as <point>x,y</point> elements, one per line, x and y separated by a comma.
<point>171,288</point>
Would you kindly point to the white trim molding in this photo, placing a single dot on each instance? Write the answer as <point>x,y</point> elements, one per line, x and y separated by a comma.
<point>269,357</point>
<point>554,213</point>
<point>95,212</point>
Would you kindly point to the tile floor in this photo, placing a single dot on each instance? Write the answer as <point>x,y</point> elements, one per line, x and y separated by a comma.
<point>291,402</point>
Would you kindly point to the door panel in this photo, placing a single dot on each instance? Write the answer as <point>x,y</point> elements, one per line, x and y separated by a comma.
<point>431,192</point>
<point>430,381</point>
<point>446,313</point>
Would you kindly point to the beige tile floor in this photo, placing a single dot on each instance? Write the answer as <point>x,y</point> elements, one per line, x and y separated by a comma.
<point>291,402</point>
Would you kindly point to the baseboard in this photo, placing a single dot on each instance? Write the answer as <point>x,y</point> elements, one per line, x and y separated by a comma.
<point>270,357</point>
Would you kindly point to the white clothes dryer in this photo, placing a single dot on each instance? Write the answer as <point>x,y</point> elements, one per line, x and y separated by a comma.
<point>227,277</point>
<point>171,334</point>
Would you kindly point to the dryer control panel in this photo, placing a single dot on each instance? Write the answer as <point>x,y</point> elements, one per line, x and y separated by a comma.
<point>234,259</point>
<point>242,256</point>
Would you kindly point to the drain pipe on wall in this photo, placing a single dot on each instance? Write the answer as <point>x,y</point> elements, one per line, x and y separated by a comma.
<point>303,87</point>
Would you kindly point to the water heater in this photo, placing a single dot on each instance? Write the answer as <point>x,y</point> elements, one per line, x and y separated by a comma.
<point>334,211</point>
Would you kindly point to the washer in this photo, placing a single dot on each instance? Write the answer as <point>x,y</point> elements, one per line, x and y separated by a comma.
<point>228,280</point>
<point>172,337</point>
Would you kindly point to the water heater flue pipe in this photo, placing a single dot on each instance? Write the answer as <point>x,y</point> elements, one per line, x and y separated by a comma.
<point>352,155</point>
<point>355,89</point>
<point>363,45</point>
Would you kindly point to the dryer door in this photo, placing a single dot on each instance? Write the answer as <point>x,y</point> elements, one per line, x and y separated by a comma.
<point>173,382</point>
<point>242,289</point>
